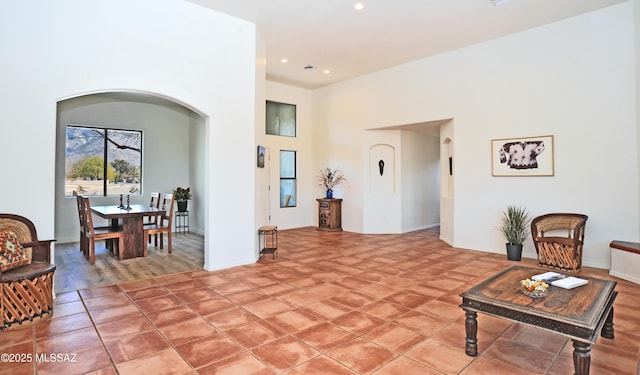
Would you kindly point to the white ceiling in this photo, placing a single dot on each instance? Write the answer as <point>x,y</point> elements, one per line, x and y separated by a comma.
<point>330,34</point>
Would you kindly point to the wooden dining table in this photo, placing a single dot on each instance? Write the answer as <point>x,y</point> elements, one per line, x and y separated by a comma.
<point>132,225</point>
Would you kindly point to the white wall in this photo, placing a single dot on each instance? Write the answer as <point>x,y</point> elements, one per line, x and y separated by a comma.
<point>570,79</point>
<point>194,56</point>
<point>307,190</point>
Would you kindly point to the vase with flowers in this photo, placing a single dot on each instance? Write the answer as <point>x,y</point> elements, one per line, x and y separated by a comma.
<point>182,196</point>
<point>330,178</point>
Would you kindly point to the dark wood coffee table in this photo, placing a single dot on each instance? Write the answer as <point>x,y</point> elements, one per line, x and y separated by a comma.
<point>580,313</point>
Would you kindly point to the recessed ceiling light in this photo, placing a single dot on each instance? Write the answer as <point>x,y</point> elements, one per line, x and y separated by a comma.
<point>284,60</point>
<point>327,71</point>
<point>358,6</point>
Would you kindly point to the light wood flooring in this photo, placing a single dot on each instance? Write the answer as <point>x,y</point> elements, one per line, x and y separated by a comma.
<point>74,272</point>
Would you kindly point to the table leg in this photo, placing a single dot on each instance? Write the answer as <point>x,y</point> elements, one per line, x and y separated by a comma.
<point>581,357</point>
<point>607,329</point>
<point>471,328</point>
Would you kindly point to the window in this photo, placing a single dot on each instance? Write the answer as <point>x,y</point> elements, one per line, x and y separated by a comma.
<point>287,178</point>
<point>281,119</point>
<point>102,161</point>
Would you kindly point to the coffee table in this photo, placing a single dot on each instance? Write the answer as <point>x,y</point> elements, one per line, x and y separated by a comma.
<point>580,313</point>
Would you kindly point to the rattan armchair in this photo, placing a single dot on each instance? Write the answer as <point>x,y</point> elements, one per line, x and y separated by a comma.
<point>26,291</point>
<point>558,239</point>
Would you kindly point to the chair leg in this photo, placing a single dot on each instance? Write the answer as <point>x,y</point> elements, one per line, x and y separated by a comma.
<point>92,252</point>
<point>161,241</point>
<point>145,248</point>
<point>120,247</point>
<point>169,241</point>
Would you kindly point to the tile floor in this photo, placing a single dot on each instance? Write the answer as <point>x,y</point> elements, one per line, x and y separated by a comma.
<point>330,303</point>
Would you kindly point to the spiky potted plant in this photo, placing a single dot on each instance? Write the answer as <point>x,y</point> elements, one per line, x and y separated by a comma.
<point>514,225</point>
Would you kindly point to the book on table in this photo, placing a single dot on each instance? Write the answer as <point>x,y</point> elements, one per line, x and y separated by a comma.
<point>560,280</point>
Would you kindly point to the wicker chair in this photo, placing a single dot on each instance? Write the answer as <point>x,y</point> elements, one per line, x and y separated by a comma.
<point>27,291</point>
<point>558,239</point>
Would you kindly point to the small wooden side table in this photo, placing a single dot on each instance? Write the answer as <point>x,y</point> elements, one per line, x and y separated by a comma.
<point>329,214</point>
<point>268,240</point>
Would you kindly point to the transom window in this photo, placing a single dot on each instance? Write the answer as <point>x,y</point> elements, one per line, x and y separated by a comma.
<point>281,119</point>
<point>102,161</point>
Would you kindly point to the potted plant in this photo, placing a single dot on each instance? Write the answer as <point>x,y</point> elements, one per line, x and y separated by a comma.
<point>514,225</point>
<point>330,178</point>
<point>182,195</point>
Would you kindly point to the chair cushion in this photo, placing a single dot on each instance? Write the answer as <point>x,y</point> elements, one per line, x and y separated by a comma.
<point>12,254</point>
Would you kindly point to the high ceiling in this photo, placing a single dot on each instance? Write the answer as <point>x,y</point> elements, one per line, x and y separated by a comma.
<point>330,34</point>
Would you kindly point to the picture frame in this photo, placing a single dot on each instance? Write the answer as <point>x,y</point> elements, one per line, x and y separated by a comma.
<point>520,157</point>
<point>260,156</point>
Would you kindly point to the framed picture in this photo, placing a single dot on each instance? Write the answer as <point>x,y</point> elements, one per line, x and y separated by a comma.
<point>260,156</point>
<point>528,156</point>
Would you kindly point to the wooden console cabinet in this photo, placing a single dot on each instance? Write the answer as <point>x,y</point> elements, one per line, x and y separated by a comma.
<point>329,214</point>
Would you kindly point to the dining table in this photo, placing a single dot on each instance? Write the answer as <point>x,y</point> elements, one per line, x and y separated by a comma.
<point>132,217</point>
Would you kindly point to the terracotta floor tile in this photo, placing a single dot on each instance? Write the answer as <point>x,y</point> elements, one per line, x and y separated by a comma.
<point>183,286</point>
<point>519,355</point>
<point>408,299</point>
<point>138,284</point>
<point>254,334</point>
<point>167,361</point>
<point>357,322</point>
<point>384,310</point>
<point>353,299</point>
<point>328,309</point>
<point>243,363</point>
<point>482,366</point>
<point>424,324</point>
<point>16,336</point>
<point>230,288</point>
<point>292,321</point>
<point>69,308</point>
<point>135,346</point>
<point>444,310</point>
<point>321,365</point>
<point>68,342</point>
<point>100,291</point>
<point>124,327</point>
<point>57,325</point>
<point>208,350</point>
<point>268,307</point>
<point>405,366</point>
<point>284,353</point>
<point>170,316</point>
<point>66,297</point>
<point>228,319</point>
<point>80,361</point>
<point>158,303</point>
<point>107,301</point>
<point>110,314</point>
<point>440,356</point>
<point>247,297</point>
<point>18,353</point>
<point>211,305</point>
<point>394,337</point>
<point>187,331</point>
<point>141,294</point>
<point>299,298</point>
<point>377,291</point>
<point>361,355</point>
<point>173,279</point>
<point>324,336</point>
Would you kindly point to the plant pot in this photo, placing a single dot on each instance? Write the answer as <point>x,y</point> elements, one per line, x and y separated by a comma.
<point>182,206</point>
<point>514,252</point>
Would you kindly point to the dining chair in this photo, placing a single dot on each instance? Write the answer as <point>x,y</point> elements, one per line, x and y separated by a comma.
<point>164,224</point>
<point>152,220</point>
<point>94,234</point>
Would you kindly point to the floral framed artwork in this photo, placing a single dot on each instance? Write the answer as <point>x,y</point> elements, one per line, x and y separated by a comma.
<point>527,156</point>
